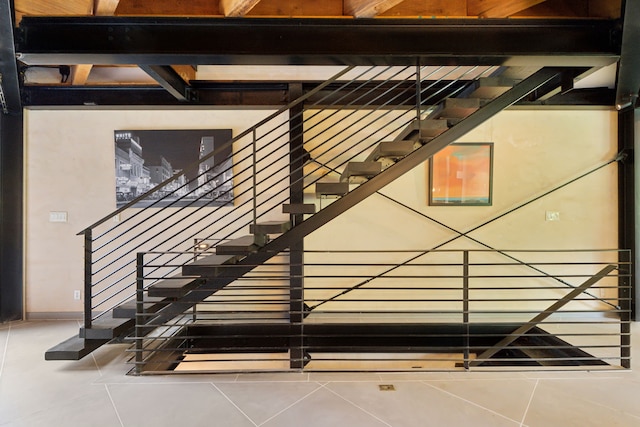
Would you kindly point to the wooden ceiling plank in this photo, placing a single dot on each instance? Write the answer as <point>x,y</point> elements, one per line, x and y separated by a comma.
<point>298,8</point>
<point>80,74</point>
<point>368,8</point>
<point>169,7</point>
<point>499,8</point>
<point>186,72</point>
<point>105,7</point>
<point>605,8</point>
<point>431,8</point>
<point>54,7</point>
<point>237,7</point>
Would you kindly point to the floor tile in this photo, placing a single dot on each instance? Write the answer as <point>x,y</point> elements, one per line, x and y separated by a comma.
<point>197,404</point>
<point>553,407</point>
<point>417,404</point>
<point>617,394</point>
<point>509,397</point>
<point>91,408</point>
<point>262,401</point>
<point>321,409</point>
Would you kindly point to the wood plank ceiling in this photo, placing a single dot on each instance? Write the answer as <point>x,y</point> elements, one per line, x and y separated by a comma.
<point>347,9</point>
<point>324,8</point>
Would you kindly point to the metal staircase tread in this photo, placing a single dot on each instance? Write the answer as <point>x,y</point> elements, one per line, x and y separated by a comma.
<point>74,348</point>
<point>270,227</point>
<point>391,149</point>
<point>209,266</point>
<point>491,87</point>
<point>331,189</point>
<point>299,208</point>
<point>242,245</point>
<point>173,287</point>
<point>426,128</point>
<point>106,327</point>
<point>127,310</point>
<point>459,108</point>
<point>357,172</point>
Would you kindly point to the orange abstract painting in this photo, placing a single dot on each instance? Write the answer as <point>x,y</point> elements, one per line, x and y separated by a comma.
<point>460,174</point>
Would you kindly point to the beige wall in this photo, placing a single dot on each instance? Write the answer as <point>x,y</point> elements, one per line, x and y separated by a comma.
<point>69,167</point>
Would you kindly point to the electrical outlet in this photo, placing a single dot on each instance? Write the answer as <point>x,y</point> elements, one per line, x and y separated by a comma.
<point>552,216</point>
<point>76,295</point>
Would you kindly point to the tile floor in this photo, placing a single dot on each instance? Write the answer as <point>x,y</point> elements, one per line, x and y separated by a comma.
<point>96,392</point>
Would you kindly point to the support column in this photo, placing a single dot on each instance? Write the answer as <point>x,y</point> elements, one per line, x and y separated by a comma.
<point>296,254</point>
<point>628,223</point>
<point>11,184</point>
<point>11,222</point>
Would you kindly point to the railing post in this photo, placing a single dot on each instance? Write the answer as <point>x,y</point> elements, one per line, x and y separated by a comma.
<point>465,306</point>
<point>255,181</point>
<point>88,300</point>
<point>139,311</point>
<point>296,249</point>
<point>624,294</point>
<point>418,94</point>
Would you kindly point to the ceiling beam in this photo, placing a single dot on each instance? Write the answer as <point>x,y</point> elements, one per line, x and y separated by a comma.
<point>629,67</point>
<point>105,7</point>
<point>368,8</point>
<point>237,7</point>
<point>316,41</point>
<point>499,8</point>
<point>209,94</point>
<point>170,80</point>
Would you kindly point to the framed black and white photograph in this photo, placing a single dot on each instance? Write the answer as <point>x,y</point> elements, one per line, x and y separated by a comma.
<point>146,158</point>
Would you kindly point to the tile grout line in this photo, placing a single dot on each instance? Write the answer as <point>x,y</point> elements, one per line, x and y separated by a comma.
<point>470,402</point>
<point>106,387</point>
<point>233,403</point>
<point>356,406</point>
<point>96,363</point>
<point>4,353</point>
<point>526,410</point>
<point>293,404</point>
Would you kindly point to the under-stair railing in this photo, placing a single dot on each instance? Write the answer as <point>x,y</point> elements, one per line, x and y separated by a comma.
<point>448,309</point>
<point>258,178</point>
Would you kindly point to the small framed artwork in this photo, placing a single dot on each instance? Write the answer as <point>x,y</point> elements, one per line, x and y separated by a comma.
<point>461,175</point>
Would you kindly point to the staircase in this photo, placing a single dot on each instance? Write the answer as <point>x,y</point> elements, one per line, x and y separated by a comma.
<point>156,265</point>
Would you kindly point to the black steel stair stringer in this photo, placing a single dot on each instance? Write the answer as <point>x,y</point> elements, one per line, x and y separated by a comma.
<point>542,77</point>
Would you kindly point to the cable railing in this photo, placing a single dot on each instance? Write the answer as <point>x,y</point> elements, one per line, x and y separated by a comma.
<point>475,309</point>
<point>220,202</point>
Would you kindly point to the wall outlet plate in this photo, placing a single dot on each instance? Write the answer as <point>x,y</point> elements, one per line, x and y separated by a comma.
<point>552,216</point>
<point>76,295</point>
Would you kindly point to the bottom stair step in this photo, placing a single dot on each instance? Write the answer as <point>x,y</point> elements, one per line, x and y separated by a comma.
<point>107,328</point>
<point>75,348</point>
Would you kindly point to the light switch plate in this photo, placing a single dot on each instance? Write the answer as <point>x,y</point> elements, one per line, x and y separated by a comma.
<point>57,216</point>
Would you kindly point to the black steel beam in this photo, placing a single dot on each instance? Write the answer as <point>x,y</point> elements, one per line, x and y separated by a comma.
<point>9,82</point>
<point>628,83</point>
<point>257,95</point>
<point>171,81</point>
<point>316,41</point>
<point>254,94</point>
